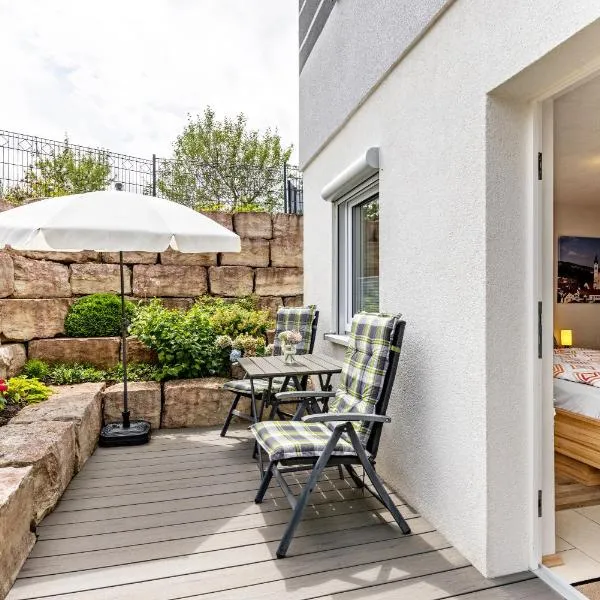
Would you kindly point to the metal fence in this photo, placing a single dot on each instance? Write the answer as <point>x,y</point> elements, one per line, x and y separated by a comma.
<point>193,183</point>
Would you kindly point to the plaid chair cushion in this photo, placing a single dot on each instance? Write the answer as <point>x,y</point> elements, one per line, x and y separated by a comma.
<point>365,365</point>
<point>296,439</point>
<point>242,386</point>
<point>295,319</point>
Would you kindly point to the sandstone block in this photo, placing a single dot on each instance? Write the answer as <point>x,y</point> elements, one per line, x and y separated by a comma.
<point>16,510</point>
<point>286,252</point>
<point>172,257</point>
<point>144,399</point>
<point>294,301</point>
<point>7,275</point>
<point>270,303</point>
<point>225,219</point>
<point>49,447</point>
<point>100,352</point>
<point>290,226</point>
<point>23,320</point>
<point>231,281</point>
<point>278,281</point>
<point>93,278</point>
<point>63,257</point>
<point>253,225</point>
<point>131,258</point>
<point>5,205</point>
<point>196,403</point>
<point>138,352</point>
<point>12,359</point>
<point>255,253</point>
<point>172,281</point>
<point>40,279</point>
<point>78,404</point>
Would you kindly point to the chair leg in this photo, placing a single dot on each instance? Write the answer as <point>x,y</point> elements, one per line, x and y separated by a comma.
<point>266,480</point>
<point>357,480</point>
<point>230,414</point>
<point>306,492</point>
<point>372,475</point>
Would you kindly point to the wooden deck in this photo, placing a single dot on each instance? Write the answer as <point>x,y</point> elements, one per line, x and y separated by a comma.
<point>176,519</point>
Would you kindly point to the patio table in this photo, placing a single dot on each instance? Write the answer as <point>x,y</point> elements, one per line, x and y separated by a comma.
<point>269,367</point>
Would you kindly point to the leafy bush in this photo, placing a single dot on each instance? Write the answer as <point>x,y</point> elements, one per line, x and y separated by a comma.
<point>70,374</point>
<point>98,315</point>
<point>241,317</point>
<point>183,341</point>
<point>73,373</point>
<point>135,372</point>
<point>22,390</point>
<point>36,369</point>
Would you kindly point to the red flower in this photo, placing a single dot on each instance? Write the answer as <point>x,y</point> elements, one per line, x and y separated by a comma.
<point>3,386</point>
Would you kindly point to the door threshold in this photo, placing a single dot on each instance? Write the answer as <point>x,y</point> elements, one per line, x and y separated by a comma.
<point>558,584</point>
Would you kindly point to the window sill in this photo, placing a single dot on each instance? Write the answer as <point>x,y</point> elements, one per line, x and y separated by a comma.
<point>335,338</point>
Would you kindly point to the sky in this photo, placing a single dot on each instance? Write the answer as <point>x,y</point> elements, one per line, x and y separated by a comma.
<point>124,74</point>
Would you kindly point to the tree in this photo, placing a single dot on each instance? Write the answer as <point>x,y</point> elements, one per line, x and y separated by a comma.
<point>63,172</point>
<point>223,165</point>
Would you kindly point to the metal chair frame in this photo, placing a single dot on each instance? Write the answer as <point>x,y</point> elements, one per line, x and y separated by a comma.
<point>365,455</point>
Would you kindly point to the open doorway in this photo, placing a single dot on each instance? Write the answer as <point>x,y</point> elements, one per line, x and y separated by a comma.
<point>575,276</point>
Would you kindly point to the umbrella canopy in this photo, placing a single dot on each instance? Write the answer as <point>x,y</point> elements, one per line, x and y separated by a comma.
<point>112,221</point>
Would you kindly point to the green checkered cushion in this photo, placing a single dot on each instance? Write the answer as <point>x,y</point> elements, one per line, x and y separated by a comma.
<point>242,386</point>
<point>295,319</point>
<point>365,365</point>
<point>296,439</point>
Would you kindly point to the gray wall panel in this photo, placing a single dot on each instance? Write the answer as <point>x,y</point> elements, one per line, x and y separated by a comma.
<point>359,42</point>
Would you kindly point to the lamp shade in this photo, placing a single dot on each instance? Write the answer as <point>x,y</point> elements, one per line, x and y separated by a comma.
<point>566,337</point>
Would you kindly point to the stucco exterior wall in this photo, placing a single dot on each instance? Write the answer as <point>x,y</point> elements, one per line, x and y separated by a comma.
<point>358,44</point>
<point>456,244</point>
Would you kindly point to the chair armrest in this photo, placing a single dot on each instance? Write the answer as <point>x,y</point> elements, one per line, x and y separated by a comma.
<point>345,417</point>
<point>303,394</point>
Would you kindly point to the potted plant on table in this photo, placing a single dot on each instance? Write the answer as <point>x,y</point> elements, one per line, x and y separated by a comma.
<point>288,340</point>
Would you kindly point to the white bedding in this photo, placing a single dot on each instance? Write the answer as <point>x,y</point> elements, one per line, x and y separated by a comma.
<point>577,397</point>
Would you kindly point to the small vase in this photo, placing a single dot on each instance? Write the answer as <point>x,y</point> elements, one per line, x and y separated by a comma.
<point>289,351</point>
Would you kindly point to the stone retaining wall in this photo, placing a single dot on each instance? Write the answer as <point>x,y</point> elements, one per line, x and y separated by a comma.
<point>37,288</point>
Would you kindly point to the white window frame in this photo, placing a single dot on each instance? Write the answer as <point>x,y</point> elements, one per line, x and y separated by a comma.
<point>343,240</point>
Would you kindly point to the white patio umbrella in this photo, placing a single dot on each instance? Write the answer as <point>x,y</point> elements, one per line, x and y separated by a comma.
<point>114,221</point>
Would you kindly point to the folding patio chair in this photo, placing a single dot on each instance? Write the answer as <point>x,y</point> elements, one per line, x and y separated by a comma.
<point>348,433</point>
<point>303,319</point>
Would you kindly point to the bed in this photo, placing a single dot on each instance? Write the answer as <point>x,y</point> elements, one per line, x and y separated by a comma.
<point>577,422</point>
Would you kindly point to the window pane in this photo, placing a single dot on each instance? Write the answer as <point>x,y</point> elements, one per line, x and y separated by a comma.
<point>365,256</point>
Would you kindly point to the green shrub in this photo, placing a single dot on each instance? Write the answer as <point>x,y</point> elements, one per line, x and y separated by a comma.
<point>36,369</point>
<point>241,317</point>
<point>70,374</point>
<point>22,390</point>
<point>98,315</point>
<point>135,372</point>
<point>183,341</point>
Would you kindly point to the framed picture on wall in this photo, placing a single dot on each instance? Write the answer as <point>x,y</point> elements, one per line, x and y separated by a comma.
<point>578,273</point>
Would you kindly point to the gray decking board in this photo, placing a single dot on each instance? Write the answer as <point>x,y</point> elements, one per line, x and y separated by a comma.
<point>190,529</point>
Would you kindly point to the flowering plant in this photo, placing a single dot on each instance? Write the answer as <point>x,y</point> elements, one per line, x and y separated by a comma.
<point>290,337</point>
<point>3,392</point>
<point>223,342</point>
<point>269,349</point>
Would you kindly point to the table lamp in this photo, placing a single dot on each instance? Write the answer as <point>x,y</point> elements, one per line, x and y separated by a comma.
<point>566,337</point>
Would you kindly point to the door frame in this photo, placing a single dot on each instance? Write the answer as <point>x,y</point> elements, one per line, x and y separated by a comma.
<point>543,255</point>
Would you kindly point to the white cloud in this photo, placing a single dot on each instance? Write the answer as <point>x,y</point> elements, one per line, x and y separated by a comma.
<point>123,74</point>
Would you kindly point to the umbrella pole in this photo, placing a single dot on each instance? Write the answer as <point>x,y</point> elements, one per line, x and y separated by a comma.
<point>126,422</point>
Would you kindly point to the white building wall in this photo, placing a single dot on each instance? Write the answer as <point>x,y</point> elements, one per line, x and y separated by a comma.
<point>455,248</point>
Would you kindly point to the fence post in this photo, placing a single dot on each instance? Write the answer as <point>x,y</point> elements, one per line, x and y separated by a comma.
<point>285,196</point>
<point>154,174</point>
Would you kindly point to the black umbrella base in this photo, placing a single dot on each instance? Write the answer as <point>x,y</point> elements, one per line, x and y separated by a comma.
<point>114,434</point>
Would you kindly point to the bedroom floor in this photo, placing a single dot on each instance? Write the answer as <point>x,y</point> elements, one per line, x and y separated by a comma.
<point>578,543</point>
